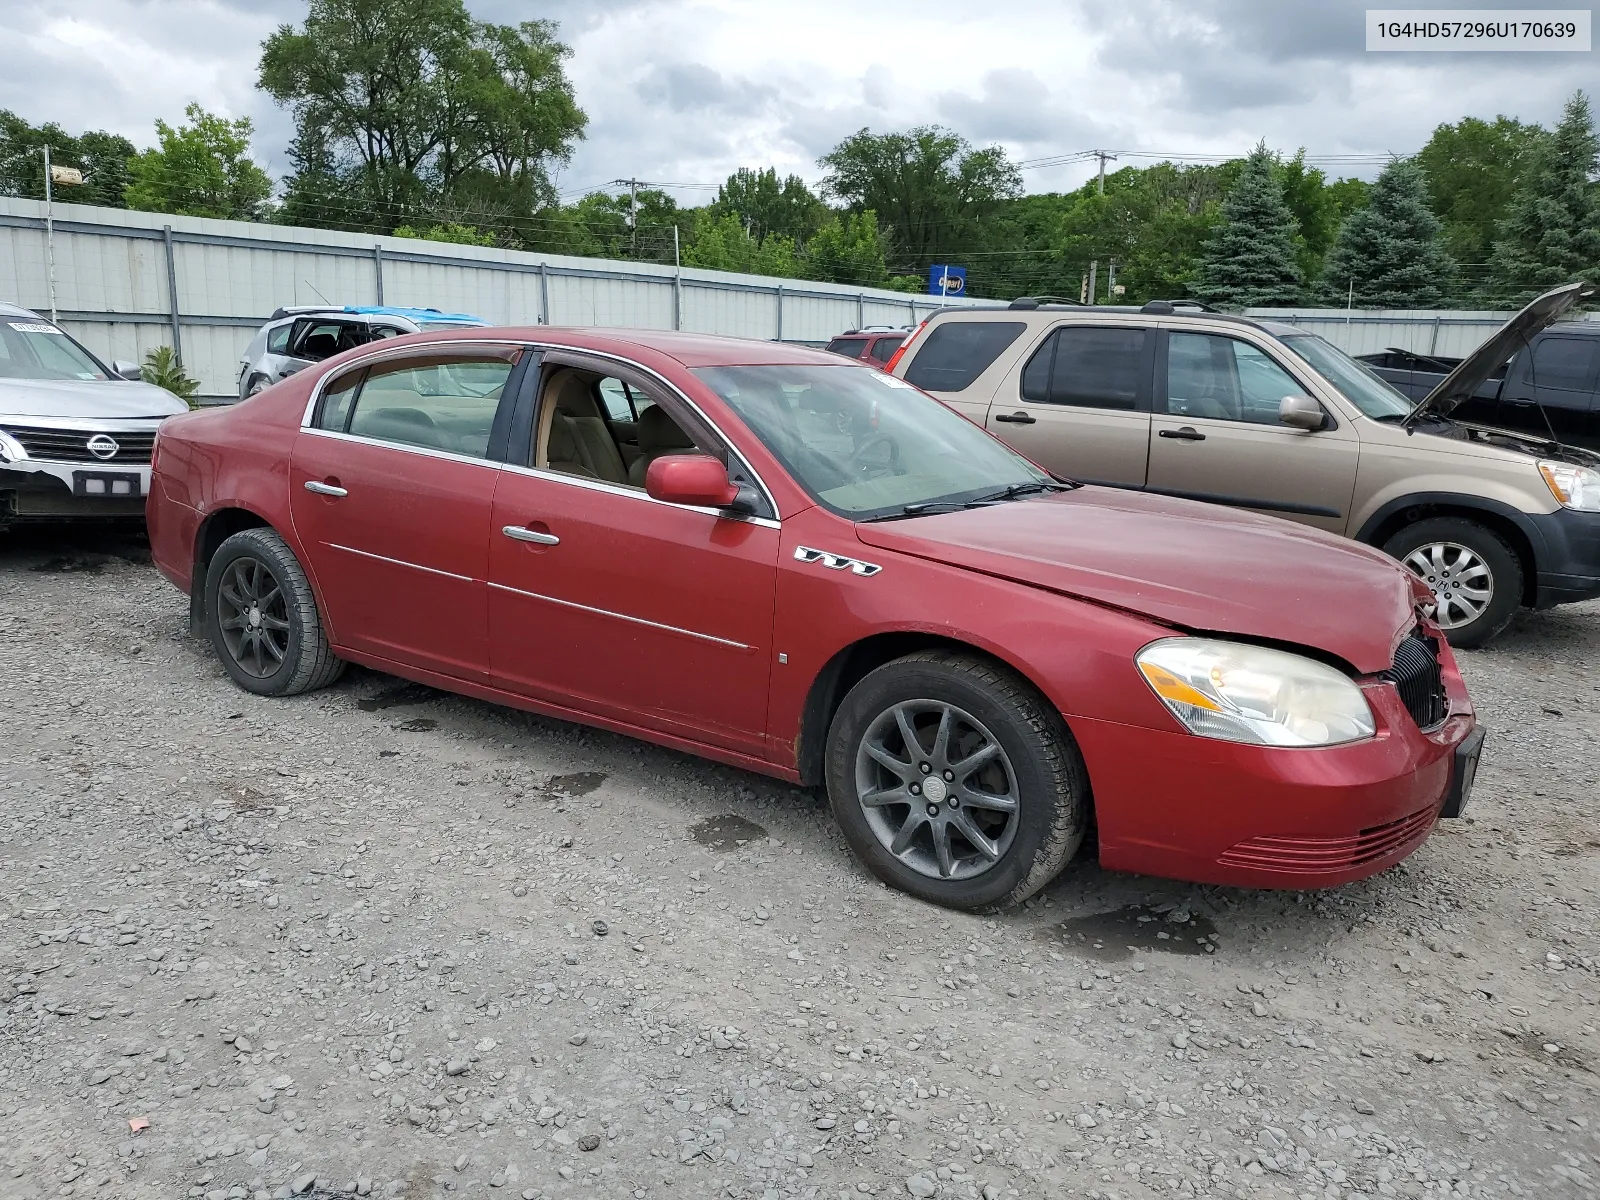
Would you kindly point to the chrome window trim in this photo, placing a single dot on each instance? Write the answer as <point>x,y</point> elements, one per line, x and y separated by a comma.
<point>606,612</point>
<point>633,493</point>
<point>409,448</point>
<point>543,348</point>
<point>400,562</point>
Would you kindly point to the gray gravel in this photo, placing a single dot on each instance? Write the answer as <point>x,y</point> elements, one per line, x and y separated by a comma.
<point>352,943</point>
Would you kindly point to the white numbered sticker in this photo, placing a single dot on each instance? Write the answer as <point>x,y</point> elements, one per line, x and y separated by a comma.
<point>34,327</point>
<point>895,381</point>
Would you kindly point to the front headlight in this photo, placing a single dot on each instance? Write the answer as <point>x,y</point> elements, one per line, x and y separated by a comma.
<point>1242,693</point>
<point>1572,486</point>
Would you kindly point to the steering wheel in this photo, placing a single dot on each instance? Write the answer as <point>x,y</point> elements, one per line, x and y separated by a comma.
<point>859,464</point>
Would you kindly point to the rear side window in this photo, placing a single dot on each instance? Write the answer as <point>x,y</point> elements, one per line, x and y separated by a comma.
<point>849,347</point>
<point>1087,368</point>
<point>278,339</point>
<point>956,352</point>
<point>436,405</point>
<point>334,412</point>
<point>1564,363</point>
<point>883,349</point>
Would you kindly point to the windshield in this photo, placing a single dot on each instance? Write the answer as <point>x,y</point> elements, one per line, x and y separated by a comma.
<point>31,349</point>
<point>866,444</point>
<point>1356,381</point>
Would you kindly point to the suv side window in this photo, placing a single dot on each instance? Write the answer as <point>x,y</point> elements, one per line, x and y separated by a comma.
<point>316,340</point>
<point>956,352</point>
<point>278,339</point>
<point>849,347</point>
<point>1087,368</point>
<point>883,349</point>
<point>1564,364</point>
<point>438,405</point>
<point>1224,379</point>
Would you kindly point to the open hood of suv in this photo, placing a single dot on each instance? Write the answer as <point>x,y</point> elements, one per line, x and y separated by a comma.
<point>1475,369</point>
<point>1196,566</point>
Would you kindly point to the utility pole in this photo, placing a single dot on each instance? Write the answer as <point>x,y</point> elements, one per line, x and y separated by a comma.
<point>1111,282</point>
<point>633,210</point>
<point>1094,266</point>
<point>1103,156</point>
<point>50,231</point>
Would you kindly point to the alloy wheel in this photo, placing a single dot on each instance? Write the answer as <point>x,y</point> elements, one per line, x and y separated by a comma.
<point>937,789</point>
<point>1462,583</point>
<point>253,616</point>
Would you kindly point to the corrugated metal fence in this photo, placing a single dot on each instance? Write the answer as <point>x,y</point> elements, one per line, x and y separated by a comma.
<point>129,281</point>
<point>1454,333</point>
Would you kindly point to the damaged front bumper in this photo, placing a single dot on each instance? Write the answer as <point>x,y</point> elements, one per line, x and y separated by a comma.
<point>86,486</point>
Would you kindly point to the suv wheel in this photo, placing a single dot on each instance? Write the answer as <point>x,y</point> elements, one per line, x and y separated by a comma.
<point>1475,577</point>
<point>954,780</point>
<point>263,620</point>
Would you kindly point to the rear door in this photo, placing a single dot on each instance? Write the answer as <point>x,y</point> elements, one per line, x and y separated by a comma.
<point>1079,403</point>
<point>1218,437</point>
<point>391,490</point>
<point>1554,392</point>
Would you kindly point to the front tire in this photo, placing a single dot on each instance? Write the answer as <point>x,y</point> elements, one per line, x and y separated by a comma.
<point>262,617</point>
<point>1476,578</point>
<point>953,779</point>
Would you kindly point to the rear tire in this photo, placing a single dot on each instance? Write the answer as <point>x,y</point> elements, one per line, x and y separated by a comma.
<point>987,806</point>
<point>262,617</point>
<point>1460,560</point>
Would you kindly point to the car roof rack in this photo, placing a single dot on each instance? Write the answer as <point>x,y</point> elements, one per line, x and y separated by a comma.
<point>1043,301</point>
<point>1168,307</point>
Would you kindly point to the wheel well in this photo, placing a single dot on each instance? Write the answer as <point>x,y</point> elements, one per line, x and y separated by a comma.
<point>842,672</point>
<point>214,530</point>
<point>1504,526</point>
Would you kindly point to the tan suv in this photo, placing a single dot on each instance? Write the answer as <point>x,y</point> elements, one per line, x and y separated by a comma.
<point>1180,400</point>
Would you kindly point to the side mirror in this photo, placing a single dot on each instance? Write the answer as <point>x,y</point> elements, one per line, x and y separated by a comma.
<point>696,479</point>
<point>123,369</point>
<point>1301,412</point>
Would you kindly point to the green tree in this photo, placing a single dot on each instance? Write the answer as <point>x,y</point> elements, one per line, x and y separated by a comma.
<point>721,243</point>
<point>619,226</point>
<point>411,104</point>
<point>460,235</point>
<point>1389,254</point>
<point>1551,231</point>
<point>934,191</point>
<point>1319,209</point>
<point>1249,258</point>
<point>102,157</point>
<point>1473,168</point>
<point>201,169</point>
<point>847,249</point>
<point>766,205</point>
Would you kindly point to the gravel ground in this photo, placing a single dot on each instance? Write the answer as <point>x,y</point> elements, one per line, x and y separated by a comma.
<point>386,941</point>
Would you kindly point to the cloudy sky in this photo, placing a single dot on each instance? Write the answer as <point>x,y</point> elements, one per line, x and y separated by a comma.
<point>685,91</point>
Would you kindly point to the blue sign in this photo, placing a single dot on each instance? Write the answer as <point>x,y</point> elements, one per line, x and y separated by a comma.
<point>947,281</point>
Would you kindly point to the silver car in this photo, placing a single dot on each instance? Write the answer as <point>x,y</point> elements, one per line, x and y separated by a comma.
<point>295,338</point>
<point>75,434</point>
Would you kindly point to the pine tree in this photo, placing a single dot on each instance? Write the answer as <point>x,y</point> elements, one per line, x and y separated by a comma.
<point>1249,258</point>
<point>1551,231</point>
<point>1389,254</point>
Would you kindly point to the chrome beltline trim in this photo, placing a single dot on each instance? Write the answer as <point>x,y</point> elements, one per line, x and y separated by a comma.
<point>400,562</point>
<point>425,451</point>
<point>605,612</point>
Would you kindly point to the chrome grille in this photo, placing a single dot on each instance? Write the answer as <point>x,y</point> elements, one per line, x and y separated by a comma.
<point>1417,677</point>
<point>72,445</point>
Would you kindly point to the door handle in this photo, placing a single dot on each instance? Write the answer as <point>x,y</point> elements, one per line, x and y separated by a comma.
<point>325,489</point>
<point>1521,401</point>
<point>521,534</point>
<point>1184,435</point>
<point>1016,418</point>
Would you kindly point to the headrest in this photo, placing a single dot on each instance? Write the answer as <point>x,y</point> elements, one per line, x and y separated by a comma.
<point>573,395</point>
<point>660,434</point>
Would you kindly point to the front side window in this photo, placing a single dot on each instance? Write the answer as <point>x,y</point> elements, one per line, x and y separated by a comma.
<point>317,340</point>
<point>883,349</point>
<point>1224,379</point>
<point>1087,368</point>
<point>865,444</point>
<point>32,349</point>
<point>431,404</point>
<point>955,353</point>
<point>1357,382</point>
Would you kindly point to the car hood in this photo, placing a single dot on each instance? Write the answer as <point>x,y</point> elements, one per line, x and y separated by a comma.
<point>1197,566</point>
<point>94,399</point>
<point>1474,370</point>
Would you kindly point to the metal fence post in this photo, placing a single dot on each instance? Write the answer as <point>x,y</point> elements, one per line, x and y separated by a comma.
<point>172,294</point>
<point>861,309</point>
<point>377,267</point>
<point>1433,342</point>
<point>544,296</point>
<point>780,312</point>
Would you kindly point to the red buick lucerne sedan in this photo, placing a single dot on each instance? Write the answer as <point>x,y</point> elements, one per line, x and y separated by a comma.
<point>779,559</point>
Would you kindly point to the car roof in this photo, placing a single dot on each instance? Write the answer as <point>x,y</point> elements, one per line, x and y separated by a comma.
<point>687,349</point>
<point>16,310</point>
<point>1055,311</point>
<point>432,316</point>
